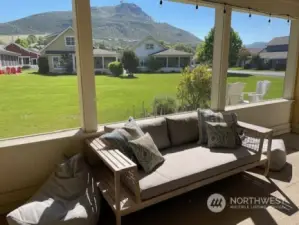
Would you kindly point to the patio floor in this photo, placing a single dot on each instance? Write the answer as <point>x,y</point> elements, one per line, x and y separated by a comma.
<point>191,208</point>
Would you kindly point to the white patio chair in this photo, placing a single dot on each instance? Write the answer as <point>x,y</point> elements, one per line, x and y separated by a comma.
<point>234,94</point>
<point>262,88</point>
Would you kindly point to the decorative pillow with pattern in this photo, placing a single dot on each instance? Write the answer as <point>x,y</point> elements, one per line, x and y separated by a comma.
<point>221,135</point>
<point>119,139</point>
<point>147,153</point>
<point>207,115</point>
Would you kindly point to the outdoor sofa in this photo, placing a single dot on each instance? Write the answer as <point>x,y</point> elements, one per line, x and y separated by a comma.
<point>187,166</point>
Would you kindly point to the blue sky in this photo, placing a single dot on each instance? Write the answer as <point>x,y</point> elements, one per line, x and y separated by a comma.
<point>198,22</point>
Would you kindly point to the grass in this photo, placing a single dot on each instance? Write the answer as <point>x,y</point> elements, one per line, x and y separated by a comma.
<point>34,104</point>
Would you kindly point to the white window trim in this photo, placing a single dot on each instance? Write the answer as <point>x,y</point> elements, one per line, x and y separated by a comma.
<point>57,68</point>
<point>66,41</point>
<point>149,44</point>
<point>24,57</point>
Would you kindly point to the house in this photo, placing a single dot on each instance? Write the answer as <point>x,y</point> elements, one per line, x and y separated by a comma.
<point>276,53</point>
<point>171,59</point>
<point>62,46</point>
<point>27,57</point>
<point>8,58</point>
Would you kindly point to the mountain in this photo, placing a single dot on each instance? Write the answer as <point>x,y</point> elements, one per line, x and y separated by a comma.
<point>257,45</point>
<point>125,21</point>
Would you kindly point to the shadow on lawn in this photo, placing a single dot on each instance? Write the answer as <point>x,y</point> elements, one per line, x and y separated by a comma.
<point>238,75</point>
<point>96,74</point>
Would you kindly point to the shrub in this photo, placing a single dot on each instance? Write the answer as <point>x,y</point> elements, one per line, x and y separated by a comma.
<point>247,66</point>
<point>116,68</point>
<point>164,105</point>
<point>194,89</point>
<point>153,64</point>
<point>43,65</point>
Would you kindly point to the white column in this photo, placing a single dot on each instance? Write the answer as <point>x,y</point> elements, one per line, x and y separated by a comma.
<point>292,61</point>
<point>85,64</point>
<point>220,57</point>
<point>74,62</point>
<point>179,63</point>
<point>103,61</point>
<point>167,61</point>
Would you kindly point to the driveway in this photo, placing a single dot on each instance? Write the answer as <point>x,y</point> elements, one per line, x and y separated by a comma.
<point>258,73</point>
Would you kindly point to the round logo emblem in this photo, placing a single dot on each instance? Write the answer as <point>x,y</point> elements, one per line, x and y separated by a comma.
<point>216,203</point>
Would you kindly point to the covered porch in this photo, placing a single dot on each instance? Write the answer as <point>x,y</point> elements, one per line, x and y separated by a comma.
<point>25,162</point>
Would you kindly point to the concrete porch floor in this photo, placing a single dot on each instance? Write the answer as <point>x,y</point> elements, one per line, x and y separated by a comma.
<point>191,208</point>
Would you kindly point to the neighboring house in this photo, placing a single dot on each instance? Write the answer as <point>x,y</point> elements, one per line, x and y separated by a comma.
<point>27,57</point>
<point>8,58</point>
<point>172,60</point>
<point>62,46</point>
<point>276,53</point>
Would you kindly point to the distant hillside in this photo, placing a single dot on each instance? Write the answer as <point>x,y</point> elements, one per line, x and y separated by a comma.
<point>257,45</point>
<point>125,21</point>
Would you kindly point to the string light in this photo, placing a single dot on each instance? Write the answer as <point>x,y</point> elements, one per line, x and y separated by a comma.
<point>161,2</point>
<point>269,21</point>
<point>196,6</point>
<point>288,18</point>
<point>224,10</point>
<point>249,12</point>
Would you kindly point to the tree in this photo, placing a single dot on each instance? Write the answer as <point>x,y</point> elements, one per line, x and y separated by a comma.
<point>153,64</point>
<point>183,47</point>
<point>194,90</point>
<point>243,55</point>
<point>31,39</point>
<point>205,50</point>
<point>130,61</point>
<point>43,65</point>
<point>22,42</point>
<point>41,40</point>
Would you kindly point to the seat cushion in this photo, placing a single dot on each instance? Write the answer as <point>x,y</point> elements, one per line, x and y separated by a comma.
<point>183,129</point>
<point>187,164</point>
<point>156,127</point>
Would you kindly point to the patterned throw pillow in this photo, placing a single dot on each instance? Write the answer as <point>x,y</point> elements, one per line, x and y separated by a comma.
<point>207,115</point>
<point>147,153</point>
<point>220,135</point>
<point>119,138</point>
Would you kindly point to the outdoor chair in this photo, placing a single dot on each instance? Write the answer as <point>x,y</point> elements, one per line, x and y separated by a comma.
<point>262,88</point>
<point>235,93</point>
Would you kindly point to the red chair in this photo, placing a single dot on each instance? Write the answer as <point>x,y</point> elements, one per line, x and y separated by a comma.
<point>19,70</point>
<point>1,72</point>
<point>8,70</point>
<point>13,70</point>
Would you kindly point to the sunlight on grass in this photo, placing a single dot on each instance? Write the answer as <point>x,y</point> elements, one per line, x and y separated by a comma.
<point>32,103</point>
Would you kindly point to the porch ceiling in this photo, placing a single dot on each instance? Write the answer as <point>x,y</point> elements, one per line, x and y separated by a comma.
<point>280,8</point>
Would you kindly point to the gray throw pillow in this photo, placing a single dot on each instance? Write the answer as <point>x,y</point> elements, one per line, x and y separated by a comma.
<point>207,115</point>
<point>221,135</point>
<point>119,139</point>
<point>147,153</point>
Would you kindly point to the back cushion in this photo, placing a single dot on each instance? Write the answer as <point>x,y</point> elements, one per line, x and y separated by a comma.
<point>183,128</point>
<point>157,128</point>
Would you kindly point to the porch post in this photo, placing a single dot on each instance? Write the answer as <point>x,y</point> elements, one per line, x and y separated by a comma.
<point>179,63</point>
<point>220,56</point>
<point>292,61</point>
<point>291,83</point>
<point>167,62</point>
<point>103,66</point>
<point>85,64</point>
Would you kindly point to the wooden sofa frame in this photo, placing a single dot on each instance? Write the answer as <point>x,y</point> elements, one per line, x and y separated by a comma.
<point>119,173</point>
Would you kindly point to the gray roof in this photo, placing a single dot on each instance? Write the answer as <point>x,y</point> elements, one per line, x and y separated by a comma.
<point>274,55</point>
<point>279,41</point>
<point>104,52</point>
<point>254,51</point>
<point>172,52</point>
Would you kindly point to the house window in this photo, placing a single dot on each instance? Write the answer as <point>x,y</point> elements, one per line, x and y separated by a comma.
<point>69,41</point>
<point>57,62</point>
<point>149,46</point>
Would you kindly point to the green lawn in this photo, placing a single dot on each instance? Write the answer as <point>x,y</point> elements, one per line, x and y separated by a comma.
<point>31,103</point>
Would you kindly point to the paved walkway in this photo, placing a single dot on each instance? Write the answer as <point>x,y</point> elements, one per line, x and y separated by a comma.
<point>258,73</point>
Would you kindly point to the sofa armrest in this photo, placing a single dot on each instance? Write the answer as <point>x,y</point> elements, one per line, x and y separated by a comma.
<point>255,140</point>
<point>251,127</point>
<point>125,171</point>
